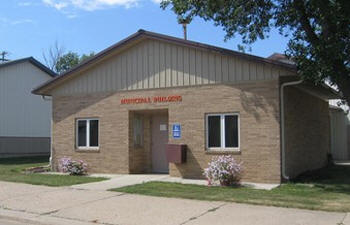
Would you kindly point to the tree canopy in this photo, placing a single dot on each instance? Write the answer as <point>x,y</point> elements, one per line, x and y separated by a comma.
<point>69,60</point>
<point>319,31</point>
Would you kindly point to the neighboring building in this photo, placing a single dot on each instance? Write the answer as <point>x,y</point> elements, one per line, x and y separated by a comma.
<point>118,110</point>
<point>24,118</point>
<point>340,131</point>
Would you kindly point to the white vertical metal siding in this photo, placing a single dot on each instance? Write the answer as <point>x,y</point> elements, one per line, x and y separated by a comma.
<point>340,131</point>
<point>157,64</point>
<point>23,114</point>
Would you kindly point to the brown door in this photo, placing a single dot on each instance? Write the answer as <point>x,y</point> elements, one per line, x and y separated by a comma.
<point>159,141</point>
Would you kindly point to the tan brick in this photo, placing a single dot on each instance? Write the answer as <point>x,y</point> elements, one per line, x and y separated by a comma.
<point>257,104</point>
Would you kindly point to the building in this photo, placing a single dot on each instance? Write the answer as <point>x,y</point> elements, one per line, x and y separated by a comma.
<point>340,131</point>
<point>25,119</point>
<point>118,110</point>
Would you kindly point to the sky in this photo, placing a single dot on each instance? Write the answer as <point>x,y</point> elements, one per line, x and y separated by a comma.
<point>30,27</point>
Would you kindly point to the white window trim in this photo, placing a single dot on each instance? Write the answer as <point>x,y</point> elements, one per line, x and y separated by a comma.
<point>222,125</point>
<point>87,147</point>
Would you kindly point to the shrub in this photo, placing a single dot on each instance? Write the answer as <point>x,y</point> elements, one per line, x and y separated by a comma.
<point>223,169</point>
<point>63,164</point>
<point>67,165</point>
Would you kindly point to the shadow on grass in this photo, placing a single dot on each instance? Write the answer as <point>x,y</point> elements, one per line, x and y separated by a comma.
<point>24,160</point>
<point>331,179</point>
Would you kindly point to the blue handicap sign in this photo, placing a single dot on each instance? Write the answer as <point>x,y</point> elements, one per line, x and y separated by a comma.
<point>176,131</point>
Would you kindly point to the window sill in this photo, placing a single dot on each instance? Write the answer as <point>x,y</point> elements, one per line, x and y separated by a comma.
<point>223,151</point>
<point>87,149</point>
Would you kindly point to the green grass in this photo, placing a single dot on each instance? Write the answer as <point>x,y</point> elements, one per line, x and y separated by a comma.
<point>327,189</point>
<point>12,170</point>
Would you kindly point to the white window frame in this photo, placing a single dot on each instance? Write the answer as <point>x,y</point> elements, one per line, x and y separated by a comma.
<point>222,126</point>
<point>87,147</point>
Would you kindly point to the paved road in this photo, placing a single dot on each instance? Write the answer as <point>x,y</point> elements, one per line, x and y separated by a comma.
<point>57,206</point>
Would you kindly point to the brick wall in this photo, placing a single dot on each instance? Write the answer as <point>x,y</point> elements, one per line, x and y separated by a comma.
<point>307,131</point>
<point>257,104</point>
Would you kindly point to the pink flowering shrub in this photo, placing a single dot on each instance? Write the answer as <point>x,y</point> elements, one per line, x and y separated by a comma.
<point>63,164</point>
<point>67,165</point>
<point>223,169</point>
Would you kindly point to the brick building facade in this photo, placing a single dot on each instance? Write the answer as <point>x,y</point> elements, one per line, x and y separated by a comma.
<point>116,111</point>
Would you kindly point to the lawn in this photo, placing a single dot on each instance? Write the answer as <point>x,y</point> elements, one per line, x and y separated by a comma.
<point>327,189</point>
<point>12,170</point>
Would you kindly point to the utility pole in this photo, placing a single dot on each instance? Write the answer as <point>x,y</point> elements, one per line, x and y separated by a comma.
<point>3,58</point>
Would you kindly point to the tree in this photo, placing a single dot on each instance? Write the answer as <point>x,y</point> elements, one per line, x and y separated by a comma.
<point>52,55</point>
<point>84,57</point>
<point>69,60</point>
<point>319,31</point>
<point>59,61</point>
<point>66,61</point>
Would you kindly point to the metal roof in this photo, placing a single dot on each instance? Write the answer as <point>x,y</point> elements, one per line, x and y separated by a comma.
<point>33,61</point>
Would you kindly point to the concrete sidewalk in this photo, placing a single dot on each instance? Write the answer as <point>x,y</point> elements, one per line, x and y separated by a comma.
<point>46,205</point>
<point>117,181</point>
<point>122,180</point>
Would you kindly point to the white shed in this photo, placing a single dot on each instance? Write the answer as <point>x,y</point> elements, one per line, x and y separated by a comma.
<point>25,118</point>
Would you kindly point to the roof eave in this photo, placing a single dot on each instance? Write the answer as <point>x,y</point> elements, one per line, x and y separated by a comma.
<point>42,67</point>
<point>33,61</point>
<point>41,88</point>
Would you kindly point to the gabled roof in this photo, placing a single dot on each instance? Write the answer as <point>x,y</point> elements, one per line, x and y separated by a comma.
<point>32,61</point>
<point>142,34</point>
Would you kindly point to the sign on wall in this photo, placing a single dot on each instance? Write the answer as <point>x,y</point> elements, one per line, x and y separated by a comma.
<point>148,100</point>
<point>176,131</point>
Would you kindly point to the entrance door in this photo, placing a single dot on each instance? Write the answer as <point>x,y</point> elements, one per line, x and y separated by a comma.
<point>159,141</point>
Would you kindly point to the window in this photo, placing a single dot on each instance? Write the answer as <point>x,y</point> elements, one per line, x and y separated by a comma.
<point>222,131</point>
<point>87,133</point>
<point>138,131</point>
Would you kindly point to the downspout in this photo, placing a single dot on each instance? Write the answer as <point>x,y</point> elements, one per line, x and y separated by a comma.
<point>284,175</point>
<point>45,98</point>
